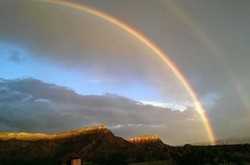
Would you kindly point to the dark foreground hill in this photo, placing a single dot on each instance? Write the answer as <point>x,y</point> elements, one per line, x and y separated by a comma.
<point>92,144</point>
<point>98,145</point>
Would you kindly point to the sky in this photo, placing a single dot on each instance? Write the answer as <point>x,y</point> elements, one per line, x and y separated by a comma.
<point>62,68</point>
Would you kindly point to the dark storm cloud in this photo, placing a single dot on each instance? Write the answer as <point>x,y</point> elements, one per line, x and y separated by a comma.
<point>10,96</point>
<point>35,106</point>
<point>70,38</point>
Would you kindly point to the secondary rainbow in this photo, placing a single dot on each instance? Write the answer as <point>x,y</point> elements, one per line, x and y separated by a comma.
<point>155,49</point>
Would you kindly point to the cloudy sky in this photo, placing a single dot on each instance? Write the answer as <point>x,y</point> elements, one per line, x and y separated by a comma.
<point>62,68</point>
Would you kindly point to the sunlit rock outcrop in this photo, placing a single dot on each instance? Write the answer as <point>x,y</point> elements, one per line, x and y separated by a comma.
<point>144,139</point>
<point>42,136</point>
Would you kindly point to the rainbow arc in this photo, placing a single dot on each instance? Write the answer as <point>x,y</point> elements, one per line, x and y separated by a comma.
<point>164,57</point>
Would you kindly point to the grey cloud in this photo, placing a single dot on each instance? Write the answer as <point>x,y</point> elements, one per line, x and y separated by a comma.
<point>229,117</point>
<point>14,56</point>
<point>7,95</point>
<point>54,108</point>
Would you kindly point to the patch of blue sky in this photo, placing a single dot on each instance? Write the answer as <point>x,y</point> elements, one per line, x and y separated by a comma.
<point>10,69</point>
<point>81,82</point>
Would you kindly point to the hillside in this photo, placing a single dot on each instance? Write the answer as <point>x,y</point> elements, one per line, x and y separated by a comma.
<point>98,145</point>
<point>86,143</point>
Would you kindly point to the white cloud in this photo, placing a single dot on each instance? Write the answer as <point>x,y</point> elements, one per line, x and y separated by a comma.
<point>101,80</point>
<point>116,126</point>
<point>173,106</point>
<point>42,100</point>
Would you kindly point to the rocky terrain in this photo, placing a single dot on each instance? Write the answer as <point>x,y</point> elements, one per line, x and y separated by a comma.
<point>98,145</point>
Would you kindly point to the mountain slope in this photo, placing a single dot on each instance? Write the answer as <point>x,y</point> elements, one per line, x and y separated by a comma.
<point>98,145</point>
<point>91,144</point>
<point>84,143</point>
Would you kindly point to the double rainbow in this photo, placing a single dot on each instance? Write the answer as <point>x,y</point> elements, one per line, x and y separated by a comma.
<point>154,48</point>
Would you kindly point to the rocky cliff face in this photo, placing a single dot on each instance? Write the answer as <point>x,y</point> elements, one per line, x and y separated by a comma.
<point>145,139</point>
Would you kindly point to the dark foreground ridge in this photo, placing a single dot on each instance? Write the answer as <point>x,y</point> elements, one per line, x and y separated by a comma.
<point>98,145</point>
